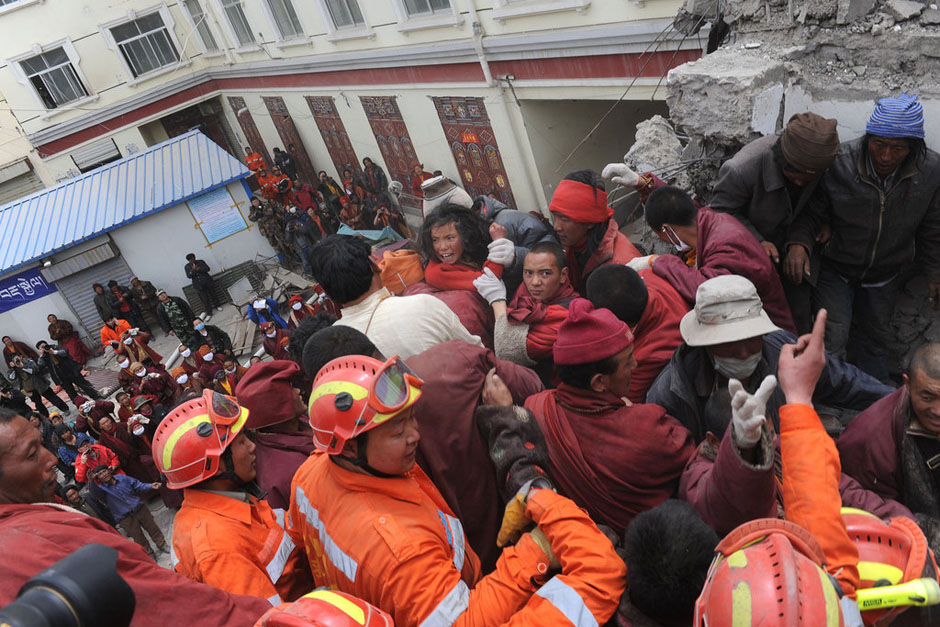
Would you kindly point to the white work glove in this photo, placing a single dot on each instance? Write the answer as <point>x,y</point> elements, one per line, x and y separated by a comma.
<point>642,263</point>
<point>153,375</point>
<point>135,331</point>
<point>621,174</point>
<point>502,251</point>
<point>747,410</point>
<point>490,287</point>
<point>138,418</point>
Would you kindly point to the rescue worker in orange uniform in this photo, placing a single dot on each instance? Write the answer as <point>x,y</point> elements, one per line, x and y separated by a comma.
<point>374,525</point>
<point>224,534</point>
<point>325,608</point>
<point>253,160</point>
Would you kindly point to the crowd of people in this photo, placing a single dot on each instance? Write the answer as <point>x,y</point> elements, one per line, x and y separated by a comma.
<point>508,421</point>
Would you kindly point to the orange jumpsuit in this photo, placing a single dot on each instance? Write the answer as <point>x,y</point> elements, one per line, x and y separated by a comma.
<point>108,334</point>
<point>222,540</point>
<point>811,474</point>
<point>254,161</point>
<point>395,543</point>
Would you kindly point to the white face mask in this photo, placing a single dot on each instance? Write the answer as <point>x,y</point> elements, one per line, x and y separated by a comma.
<point>183,378</point>
<point>128,340</point>
<point>296,306</point>
<point>138,429</point>
<point>673,238</point>
<point>232,371</point>
<point>186,353</point>
<point>141,373</point>
<point>203,332</point>
<point>737,368</point>
<point>208,356</point>
<point>125,363</point>
<point>271,334</point>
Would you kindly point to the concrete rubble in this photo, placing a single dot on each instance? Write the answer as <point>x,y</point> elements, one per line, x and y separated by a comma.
<point>782,57</point>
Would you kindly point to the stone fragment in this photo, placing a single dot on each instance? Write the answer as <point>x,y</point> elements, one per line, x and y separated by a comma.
<point>904,9</point>
<point>850,10</point>
<point>930,17</point>
<point>877,30</point>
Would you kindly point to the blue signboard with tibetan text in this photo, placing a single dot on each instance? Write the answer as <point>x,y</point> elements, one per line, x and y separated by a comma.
<point>22,288</point>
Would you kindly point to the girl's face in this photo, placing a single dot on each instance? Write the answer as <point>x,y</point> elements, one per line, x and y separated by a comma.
<point>448,247</point>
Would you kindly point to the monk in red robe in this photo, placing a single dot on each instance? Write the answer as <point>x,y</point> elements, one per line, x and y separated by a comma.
<point>652,308</point>
<point>613,458</point>
<point>275,341</point>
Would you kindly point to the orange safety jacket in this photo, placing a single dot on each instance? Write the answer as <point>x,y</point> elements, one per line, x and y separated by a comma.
<point>255,162</point>
<point>395,543</point>
<point>593,576</point>
<point>811,474</point>
<point>109,335</point>
<point>238,546</point>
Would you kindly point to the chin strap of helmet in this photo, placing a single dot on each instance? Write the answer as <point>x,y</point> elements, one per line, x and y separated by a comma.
<point>249,487</point>
<point>360,460</point>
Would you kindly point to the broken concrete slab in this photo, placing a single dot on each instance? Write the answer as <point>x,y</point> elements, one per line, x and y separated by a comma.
<point>930,17</point>
<point>656,146</point>
<point>848,11</point>
<point>904,9</point>
<point>715,96</point>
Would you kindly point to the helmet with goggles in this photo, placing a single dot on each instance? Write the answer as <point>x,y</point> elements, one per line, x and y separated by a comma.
<point>354,394</point>
<point>192,438</point>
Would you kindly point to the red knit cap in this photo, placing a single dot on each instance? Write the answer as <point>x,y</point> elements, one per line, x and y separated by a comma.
<point>265,391</point>
<point>589,335</point>
<point>296,298</point>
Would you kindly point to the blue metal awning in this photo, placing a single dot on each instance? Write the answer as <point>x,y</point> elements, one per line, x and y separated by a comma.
<point>113,195</point>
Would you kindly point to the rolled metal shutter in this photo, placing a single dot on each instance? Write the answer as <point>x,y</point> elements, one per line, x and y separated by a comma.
<point>76,288</point>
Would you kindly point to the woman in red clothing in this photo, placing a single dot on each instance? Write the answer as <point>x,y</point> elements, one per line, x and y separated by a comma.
<point>454,240</point>
<point>418,176</point>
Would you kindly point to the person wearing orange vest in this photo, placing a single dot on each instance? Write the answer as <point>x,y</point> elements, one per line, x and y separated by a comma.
<point>253,160</point>
<point>112,332</point>
<point>374,525</point>
<point>224,534</point>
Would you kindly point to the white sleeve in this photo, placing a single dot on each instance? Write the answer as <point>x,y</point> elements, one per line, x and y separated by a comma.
<point>446,324</point>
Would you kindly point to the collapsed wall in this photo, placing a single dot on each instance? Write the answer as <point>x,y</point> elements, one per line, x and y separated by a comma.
<point>781,57</point>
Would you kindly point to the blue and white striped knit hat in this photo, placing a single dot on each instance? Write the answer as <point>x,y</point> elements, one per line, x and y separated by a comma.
<point>897,117</point>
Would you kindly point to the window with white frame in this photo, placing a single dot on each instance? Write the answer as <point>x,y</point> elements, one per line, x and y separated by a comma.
<point>345,13</point>
<point>145,44</point>
<point>235,15</point>
<point>417,8</point>
<point>202,25</point>
<point>285,19</point>
<point>54,78</point>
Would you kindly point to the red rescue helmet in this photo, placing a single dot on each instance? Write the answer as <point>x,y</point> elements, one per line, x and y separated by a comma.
<point>191,439</point>
<point>768,572</point>
<point>890,552</point>
<point>325,608</point>
<point>354,394</point>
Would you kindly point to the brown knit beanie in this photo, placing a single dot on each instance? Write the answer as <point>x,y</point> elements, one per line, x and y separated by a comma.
<point>810,143</point>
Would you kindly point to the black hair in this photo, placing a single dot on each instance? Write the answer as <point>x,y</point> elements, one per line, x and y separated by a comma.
<point>619,289</point>
<point>5,338</point>
<point>470,226</point>
<point>580,375</point>
<point>341,264</point>
<point>321,172</point>
<point>191,256</point>
<point>71,486</point>
<point>669,205</point>
<point>369,159</point>
<point>588,177</point>
<point>551,248</point>
<point>927,360</point>
<point>41,342</point>
<point>307,327</point>
<point>112,283</point>
<point>335,341</point>
<point>669,550</point>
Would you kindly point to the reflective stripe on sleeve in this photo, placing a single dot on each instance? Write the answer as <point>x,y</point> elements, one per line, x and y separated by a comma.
<point>275,600</point>
<point>278,561</point>
<point>343,562</point>
<point>455,537</point>
<point>450,608</point>
<point>279,515</point>
<point>568,602</point>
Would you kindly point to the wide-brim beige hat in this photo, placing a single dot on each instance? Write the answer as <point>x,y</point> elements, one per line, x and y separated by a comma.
<point>727,309</point>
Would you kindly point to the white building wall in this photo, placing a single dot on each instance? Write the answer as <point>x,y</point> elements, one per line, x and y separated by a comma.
<point>27,323</point>
<point>155,247</point>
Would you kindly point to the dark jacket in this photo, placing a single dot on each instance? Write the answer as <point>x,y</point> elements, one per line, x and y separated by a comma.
<point>685,386</point>
<point>199,274</point>
<point>875,233</point>
<point>277,458</point>
<point>217,339</point>
<point>29,377</point>
<point>751,187</point>
<point>60,365</point>
<point>522,229</point>
<point>103,305</point>
<point>374,180</point>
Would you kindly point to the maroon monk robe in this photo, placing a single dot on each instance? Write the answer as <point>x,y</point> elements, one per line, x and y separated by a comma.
<point>612,459</point>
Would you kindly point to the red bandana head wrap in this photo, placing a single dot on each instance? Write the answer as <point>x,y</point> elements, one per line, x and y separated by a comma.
<point>580,202</point>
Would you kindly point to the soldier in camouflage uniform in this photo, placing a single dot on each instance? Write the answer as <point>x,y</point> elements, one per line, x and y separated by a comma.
<point>271,224</point>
